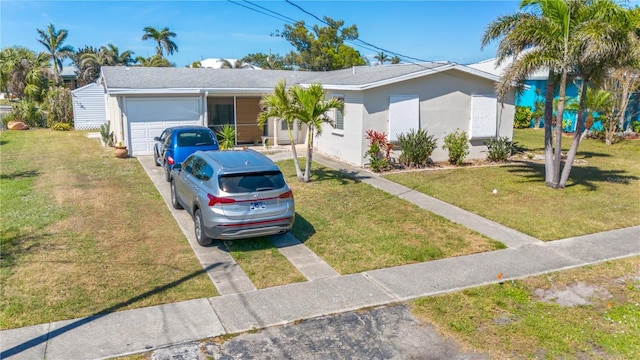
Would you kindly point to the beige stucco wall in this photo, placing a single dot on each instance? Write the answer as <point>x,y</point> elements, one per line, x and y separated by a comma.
<point>445,105</point>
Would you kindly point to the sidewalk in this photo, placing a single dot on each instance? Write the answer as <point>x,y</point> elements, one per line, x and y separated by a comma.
<point>133,331</point>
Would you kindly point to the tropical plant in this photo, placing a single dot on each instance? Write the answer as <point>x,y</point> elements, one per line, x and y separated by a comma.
<point>457,143</point>
<point>154,61</point>
<point>379,152</point>
<point>29,112</point>
<point>266,61</point>
<point>162,38</point>
<point>522,118</point>
<point>236,64</point>
<point>416,147</point>
<point>566,38</point>
<point>381,57</point>
<point>621,83</point>
<point>278,105</point>
<point>226,137</point>
<point>106,134</point>
<point>395,60</point>
<point>53,42</point>
<point>310,108</point>
<point>23,73</point>
<point>59,107</point>
<point>499,149</point>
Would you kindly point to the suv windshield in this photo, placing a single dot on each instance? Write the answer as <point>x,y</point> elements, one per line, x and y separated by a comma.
<point>195,138</point>
<point>251,182</point>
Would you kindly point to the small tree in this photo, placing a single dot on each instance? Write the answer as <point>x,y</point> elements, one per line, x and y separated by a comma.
<point>522,118</point>
<point>457,143</point>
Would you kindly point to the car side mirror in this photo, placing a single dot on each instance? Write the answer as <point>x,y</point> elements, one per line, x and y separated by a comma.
<point>156,138</point>
<point>177,167</point>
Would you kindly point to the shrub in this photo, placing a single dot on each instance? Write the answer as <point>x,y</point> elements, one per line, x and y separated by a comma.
<point>635,126</point>
<point>522,118</point>
<point>377,144</point>
<point>227,137</point>
<point>499,149</point>
<point>416,147</point>
<point>29,112</point>
<point>61,126</point>
<point>457,143</point>
<point>59,107</point>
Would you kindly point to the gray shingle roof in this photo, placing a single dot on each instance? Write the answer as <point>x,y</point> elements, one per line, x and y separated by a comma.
<point>205,79</point>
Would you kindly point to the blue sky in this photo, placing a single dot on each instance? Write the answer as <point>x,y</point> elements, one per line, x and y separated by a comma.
<point>427,30</point>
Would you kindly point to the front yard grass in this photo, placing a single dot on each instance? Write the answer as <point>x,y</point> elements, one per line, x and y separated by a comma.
<point>603,191</point>
<point>521,320</point>
<point>355,227</point>
<point>83,233</point>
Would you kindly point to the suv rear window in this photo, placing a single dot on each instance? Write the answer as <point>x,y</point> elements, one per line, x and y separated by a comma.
<point>195,138</point>
<point>252,182</point>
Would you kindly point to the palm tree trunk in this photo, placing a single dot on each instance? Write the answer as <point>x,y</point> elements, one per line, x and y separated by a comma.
<point>296,162</point>
<point>577,136</point>
<point>548,135</point>
<point>558,143</point>
<point>307,170</point>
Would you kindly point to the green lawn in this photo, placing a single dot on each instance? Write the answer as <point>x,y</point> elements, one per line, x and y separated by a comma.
<point>603,192</point>
<point>82,232</point>
<point>513,320</point>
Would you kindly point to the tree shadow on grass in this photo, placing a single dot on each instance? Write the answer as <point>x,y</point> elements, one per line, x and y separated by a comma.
<point>80,322</point>
<point>343,176</point>
<point>587,176</point>
<point>20,174</point>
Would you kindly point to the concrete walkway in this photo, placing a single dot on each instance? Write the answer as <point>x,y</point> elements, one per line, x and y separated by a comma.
<point>243,308</point>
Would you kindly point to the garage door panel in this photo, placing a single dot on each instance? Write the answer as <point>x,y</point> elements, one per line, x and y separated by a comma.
<point>147,118</point>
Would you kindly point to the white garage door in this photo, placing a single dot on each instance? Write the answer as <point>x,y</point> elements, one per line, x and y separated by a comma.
<point>148,117</point>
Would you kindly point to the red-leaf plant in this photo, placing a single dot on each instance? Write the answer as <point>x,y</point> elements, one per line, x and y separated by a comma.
<point>379,138</point>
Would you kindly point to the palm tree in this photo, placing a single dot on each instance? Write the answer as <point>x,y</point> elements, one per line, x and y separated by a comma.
<point>278,105</point>
<point>395,60</point>
<point>310,108</point>
<point>113,57</point>
<point>24,73</point>
<point>163,38</point>
<point>53,42</point>
<point>560,36</point>
<point>381,57</point>
<point>154,61</point>
<point>237,64</point>
<point>598,102</point>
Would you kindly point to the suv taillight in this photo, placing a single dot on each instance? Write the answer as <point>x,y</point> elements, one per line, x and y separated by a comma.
<point>219,200</point>
<point>288,194</point>
<point>170,160</point>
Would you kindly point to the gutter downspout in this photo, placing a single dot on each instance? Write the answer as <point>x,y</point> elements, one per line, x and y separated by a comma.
<point>206,108</point>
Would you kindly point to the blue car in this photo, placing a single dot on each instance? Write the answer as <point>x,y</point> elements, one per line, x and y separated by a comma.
<point>176,143</point>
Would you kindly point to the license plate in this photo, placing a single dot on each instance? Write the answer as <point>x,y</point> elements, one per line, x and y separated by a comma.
<point>257,205</point>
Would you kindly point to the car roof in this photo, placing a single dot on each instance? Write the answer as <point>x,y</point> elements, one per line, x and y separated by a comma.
<point>236,161</point>
<point>187,127</point>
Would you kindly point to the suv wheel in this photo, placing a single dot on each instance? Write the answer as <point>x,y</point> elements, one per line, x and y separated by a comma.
<point>174,198</point>
<point>156,159</point>
<point>199,229</point>
<point>167,172</point>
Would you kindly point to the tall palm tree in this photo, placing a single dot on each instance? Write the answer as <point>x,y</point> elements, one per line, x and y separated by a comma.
<point>395,60</point>
<point>153,61</point>
<point>162,38</point>
<point>53,41</point>
<point>381,57</point>
<point>310,108</point>
<point>560,36</point>
<point>278,105</point>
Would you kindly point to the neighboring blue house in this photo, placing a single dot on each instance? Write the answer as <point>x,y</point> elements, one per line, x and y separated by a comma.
<point>536,89</point>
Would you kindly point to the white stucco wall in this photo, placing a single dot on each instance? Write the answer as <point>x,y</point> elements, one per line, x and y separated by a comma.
<point>445,105</point>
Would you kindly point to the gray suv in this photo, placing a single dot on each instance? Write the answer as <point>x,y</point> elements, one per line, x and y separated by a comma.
<point>232,195</point>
